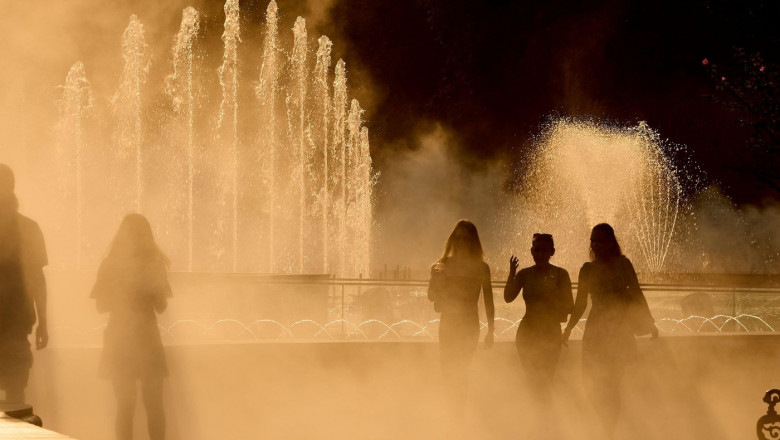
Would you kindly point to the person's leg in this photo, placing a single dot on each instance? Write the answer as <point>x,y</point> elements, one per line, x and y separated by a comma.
<point>153,402</point>
<point>603,387</point>
<point>125,394</point>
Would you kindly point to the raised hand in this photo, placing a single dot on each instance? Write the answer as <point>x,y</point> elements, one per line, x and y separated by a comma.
<point>513,264</point>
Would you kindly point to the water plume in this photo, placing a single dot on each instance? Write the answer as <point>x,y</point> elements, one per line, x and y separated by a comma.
<point>75,103</point>
<point>291,178</point>
<point>180,87</point>
<point>587,173</point>
<point>267,92</point>
<point>228,108</point>
<point>127,100</point>
<point>321,114</point>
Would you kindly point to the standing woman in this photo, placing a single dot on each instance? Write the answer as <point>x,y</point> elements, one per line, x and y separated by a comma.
<point>457,278</point>
<point>548,302</point>
<point>619,313</point>
<point>132,285</point>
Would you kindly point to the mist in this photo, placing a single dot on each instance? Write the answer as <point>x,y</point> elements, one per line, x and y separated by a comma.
<point>291,333</point>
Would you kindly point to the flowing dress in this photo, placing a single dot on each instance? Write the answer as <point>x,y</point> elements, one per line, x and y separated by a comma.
<point>132,347</point>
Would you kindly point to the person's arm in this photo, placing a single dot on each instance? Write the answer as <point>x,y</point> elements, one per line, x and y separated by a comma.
<point>38,286</point>
<point>513,281</point>
<point>101,291</point>
<point>162,289</point>
<point>565,296</point>
<point>580,304</point>
<point>490,311</point>
<point>638,296</point>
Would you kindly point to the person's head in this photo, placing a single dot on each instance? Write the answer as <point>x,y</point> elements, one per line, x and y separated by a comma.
<point>6,180</point>
<point>464,241</point>
<point>134,240</point>
<point>7,183</point>
<point>542,248</point>
<point>603,243</point>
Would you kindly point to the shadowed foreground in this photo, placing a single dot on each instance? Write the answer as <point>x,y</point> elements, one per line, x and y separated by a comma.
<point>682,387</point>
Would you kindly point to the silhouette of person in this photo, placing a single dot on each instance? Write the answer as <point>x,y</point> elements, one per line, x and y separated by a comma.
<point>548,300</point>
<point>22,291</point>
<point>457,278</point>
<point>619,311</point>
<point>132,284</point>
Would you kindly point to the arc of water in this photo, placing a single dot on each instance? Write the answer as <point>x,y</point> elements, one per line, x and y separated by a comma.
<point>228,79</point>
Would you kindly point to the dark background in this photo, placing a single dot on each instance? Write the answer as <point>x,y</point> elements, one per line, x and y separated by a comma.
<point>494,72</point>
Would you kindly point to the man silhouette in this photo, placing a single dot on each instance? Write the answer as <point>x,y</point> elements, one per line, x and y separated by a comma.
<point>22,290</point>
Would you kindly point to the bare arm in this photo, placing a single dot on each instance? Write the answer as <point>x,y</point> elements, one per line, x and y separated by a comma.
<point>38,286</point>
<point>487,292</point>
<point>638,296</point>
<point>566,298</point>
<point>580,304</point>
<point>513,282</point>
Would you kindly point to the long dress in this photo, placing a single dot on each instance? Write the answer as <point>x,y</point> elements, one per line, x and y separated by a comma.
<point>619,311</point>
<point>132,347</point>
<point>548,299</point>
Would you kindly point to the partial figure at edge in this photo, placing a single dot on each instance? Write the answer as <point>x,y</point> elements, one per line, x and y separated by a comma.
<point>22,291</point>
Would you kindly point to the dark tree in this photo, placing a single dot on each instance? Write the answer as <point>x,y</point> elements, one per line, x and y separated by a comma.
<point>749,87</point>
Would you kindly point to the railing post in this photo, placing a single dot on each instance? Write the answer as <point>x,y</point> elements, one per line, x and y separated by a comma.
<point>343,336</point>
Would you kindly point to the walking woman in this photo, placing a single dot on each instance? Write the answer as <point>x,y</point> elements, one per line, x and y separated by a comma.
<point>457,278</point>
<point>132,286</point>
<point>548,301</point>
<point>619,313</point>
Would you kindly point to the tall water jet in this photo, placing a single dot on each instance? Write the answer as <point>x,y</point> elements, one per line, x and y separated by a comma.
<point>340,160</point>
<point>228,80</point>
<point>76,101</point>
<point>179,86</point>
<point>321,119</point>
<point>353,202</point>
<point>267,90</point>
<point>366,184</point>
<point>127,100</point>
<point>298,127</point>
<point>293,183</point>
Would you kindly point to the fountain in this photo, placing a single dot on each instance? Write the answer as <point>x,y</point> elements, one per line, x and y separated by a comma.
<point>276,183</point>
<point>586,173</point>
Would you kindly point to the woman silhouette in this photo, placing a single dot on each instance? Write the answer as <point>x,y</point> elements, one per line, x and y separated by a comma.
<point>548,300</point>
<point>619,312</point>
<point>457,278</point>
<point>132,284</point>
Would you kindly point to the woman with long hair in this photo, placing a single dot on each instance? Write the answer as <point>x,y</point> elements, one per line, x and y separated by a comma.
<point>619,312</point>
<point>132,286</point>
<point>457,278</point>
